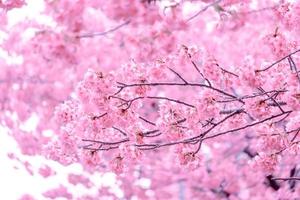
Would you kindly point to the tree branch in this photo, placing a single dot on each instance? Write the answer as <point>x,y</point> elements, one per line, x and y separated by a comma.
<point>88,35</point>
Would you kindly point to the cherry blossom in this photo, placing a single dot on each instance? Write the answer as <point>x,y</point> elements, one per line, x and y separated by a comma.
<point>175,99</point>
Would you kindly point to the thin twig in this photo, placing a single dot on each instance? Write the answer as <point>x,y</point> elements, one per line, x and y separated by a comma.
<point>88,35</point>
<point>129,102</point>
<point>177,74</point>
<point>247,126</point>
<point>98,116</point>
<point>296,134</point>
<point>278,61</point>
<point>155,84</point>
<point>294,66</point>
<point>203,9</point>
<point>262,90</point>
<point>123,133</point>
<point>287,179</point>
<point>146,120</point>
<point>106,143</point>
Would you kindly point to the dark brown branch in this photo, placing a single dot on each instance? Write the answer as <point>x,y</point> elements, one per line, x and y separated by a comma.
<point>216,124</point>
<point>123,133</point>
<point>286,116</point>
<point>155,146</point>
<point>179,121</point>
<point>209,121</point>
<point>231,111</point>
<point>172,100</point>
<point>88,35</point>
<point>100,149</point>
<point>98,116</point>
<point>228,72</point>
<point>258,10</point>
<point>198,70</point>
<point>287,179</point>
<point>247,126</point>
<point>199,147</point>
<point>177,74</point>
<point>251,96</point>
<point>123,86</point>
<point>150,132</point>
<point>154,135</point>
<point>106,143</point>
<point>189,140</point>
<point>193,140</point>
<point>146,120</point>
<point>276,103</point>
<point>296,134</point>
<point>203,9</point>
<point>294,67</point>
<point>129,102</point>
<point>278,61</point>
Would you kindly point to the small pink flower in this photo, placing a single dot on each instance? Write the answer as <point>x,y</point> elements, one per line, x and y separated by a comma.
<point>79,179</point>
<point>27,197</point>
<point>257,108</point>
<point>266,163</point>
<point>46,171</point>
<point>117,165</point>
<point>185,158</point>
<point>60,191</point>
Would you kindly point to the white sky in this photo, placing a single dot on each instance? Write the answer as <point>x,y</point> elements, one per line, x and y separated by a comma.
<point>16,181</point>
